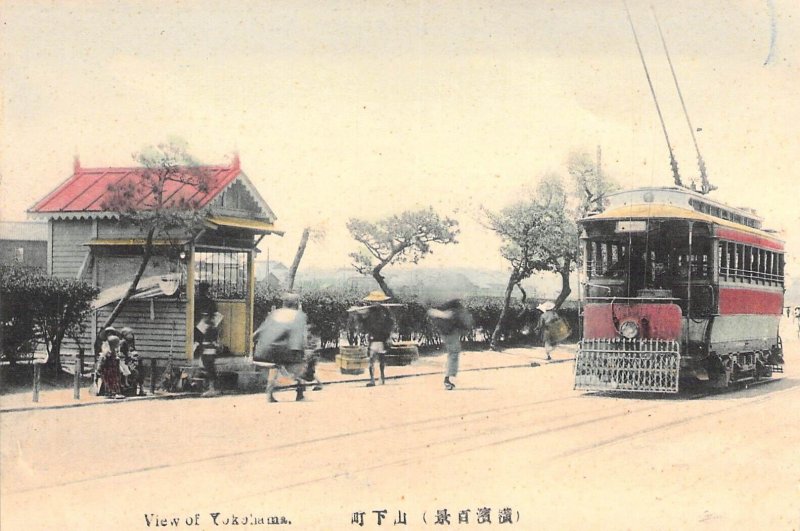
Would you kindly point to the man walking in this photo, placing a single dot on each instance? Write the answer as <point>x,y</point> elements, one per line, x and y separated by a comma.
<point>281,339</point>
<point>453,321</point>
<point>377,322</point>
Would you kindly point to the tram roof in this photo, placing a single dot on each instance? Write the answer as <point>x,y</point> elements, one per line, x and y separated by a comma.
<point>671,203</point>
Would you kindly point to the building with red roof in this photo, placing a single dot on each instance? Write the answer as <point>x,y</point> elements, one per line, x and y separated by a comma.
<point>88,238</point>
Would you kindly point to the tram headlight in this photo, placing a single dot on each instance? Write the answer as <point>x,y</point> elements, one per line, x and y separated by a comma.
<point>629,329</point>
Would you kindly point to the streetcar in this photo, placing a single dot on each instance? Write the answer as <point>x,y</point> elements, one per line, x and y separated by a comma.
<point>678,288</point>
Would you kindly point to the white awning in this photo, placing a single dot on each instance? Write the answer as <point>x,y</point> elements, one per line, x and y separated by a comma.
<point>148,288</point>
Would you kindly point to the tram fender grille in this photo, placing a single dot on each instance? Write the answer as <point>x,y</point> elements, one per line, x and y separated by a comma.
<point>634,365</point>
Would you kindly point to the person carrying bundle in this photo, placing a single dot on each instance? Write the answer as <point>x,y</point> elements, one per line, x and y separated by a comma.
<point>552,327</point>
<point>377,322</point>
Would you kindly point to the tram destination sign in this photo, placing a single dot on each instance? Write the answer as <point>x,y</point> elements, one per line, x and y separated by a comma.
<point>632,226</point>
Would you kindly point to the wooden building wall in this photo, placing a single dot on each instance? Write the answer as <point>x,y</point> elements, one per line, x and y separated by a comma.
<point>112,266</point>
<point>34,253</point>
<point>154,331</point>
<point>114,228</point>
<point>68,249</point>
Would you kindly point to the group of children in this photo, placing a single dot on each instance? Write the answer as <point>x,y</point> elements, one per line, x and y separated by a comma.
<point>119,372</point>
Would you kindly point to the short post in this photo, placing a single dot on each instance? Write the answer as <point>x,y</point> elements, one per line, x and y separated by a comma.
<point>76,382</point>
<point>153,363</point>
<point>37,379</point>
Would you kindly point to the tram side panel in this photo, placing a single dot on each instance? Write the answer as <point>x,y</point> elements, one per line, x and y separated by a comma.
<point>744,338</point>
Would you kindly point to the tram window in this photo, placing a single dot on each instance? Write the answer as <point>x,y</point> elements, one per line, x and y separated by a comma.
<point>770,264</point>
<point>748,262</point>
<point>739,261</point>
<point>617,261</point>
<point>598,258</point>
<point>731,259</point>
<point>596,261</point>
<point>757,263</point>
<point>604,260</point>
<point>729,252</point>
<point>740,249</point>
<point>776,267</point>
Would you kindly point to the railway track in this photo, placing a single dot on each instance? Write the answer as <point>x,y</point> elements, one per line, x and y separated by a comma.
<point>442,436</point>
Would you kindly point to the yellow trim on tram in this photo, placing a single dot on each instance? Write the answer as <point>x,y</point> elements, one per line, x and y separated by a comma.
<point>647,211</point>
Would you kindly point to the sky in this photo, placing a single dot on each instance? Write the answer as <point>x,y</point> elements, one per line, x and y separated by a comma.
<point>366,108</point>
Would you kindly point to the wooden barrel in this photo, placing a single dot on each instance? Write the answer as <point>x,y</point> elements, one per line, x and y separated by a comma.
<point>352,359</point>
<point>402,353</point>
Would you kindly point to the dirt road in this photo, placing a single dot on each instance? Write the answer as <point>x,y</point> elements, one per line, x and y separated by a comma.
<point>516,446</point>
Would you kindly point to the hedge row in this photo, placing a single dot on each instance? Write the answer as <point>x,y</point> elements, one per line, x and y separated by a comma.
<point>328,317</point>
<point>36,308</point>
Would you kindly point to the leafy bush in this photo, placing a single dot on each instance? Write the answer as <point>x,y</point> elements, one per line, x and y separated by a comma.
<point>486,312</point>
<point>326,309</point>
<point>413,323</point>
<point>38,308</point>
<point>329,320</point>
<point>327,312</point>
<point>267,298</point>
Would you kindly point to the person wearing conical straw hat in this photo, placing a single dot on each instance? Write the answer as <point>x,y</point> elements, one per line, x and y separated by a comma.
<point>377,322</point>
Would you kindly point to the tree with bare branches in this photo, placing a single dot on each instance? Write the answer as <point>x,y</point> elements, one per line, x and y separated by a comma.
<point>402,238</point>
<point>145,202</point>
<point>316,234</point>
<point>537,235</point>
<point>590,185</point>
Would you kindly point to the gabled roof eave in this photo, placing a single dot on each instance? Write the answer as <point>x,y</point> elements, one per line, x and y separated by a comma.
<point>252,190</point>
